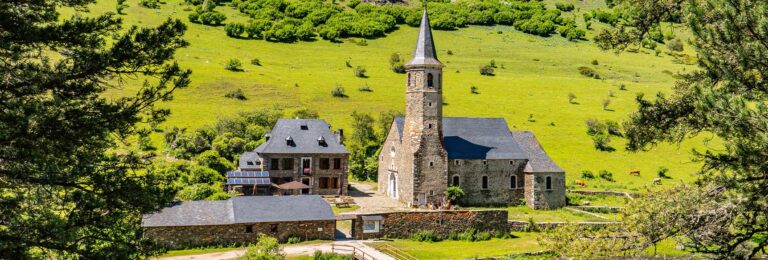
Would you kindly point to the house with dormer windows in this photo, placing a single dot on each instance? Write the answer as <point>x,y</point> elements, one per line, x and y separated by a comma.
<point>299,156</point>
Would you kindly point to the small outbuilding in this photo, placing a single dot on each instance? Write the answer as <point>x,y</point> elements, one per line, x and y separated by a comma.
<point>240,220</point>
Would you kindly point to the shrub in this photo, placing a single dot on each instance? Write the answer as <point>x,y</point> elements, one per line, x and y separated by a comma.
<point>606,175</point>
<point>571,32</point>
<point>473,90</point>
<point>212,18</point>
<point>454,193</point>
<point>486,70</point>
<point>256,61</point>
<point>360,72</point>
<point>294,240</point>
<point>396,63</point>
<point>198,191</point>
<point>449,52</point>
<point>594,62</point>
<point>662,172</point>
<point>320,255</point>
<point>531,226</point>
<point>339,92</point>
<point>602,142</point>
<point>266,248</point>
<point>492,63</point>
<point>613,128</point>
<point>211,159</point>
<point>571,97</point>
<point>675,45</point>
<point>565,7</point>
<point>595,127</point>
<point>234,29</point>
<point>606,103</point>
<point>425,236</point>
<point>256,28</point>
<point>348,64</point>
<point>365,88</point>
<point>611,94</point>
<point>483,236</point>
<point>234,65</point>
<point>588,72</point>
<point>587,174</point>
<point>153,4</point>
<point>398,68</point>
<point>530,118</point>
<point>236,94</point>
<point>120,6</point>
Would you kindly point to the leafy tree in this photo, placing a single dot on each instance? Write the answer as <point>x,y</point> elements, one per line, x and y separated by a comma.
<point>120,6</point>
<point>363,144</point>
<point>305,113</point>
<point>234,65</point>
<point>384,123</point>
<point>198,191</point>
<point>724,97</point>
<point>69,189</point>
<point>234,29</point>
<point>213,160</point>
<point>454,193</point>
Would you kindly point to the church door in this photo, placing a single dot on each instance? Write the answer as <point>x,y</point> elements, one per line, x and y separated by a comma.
<point>392,185</point>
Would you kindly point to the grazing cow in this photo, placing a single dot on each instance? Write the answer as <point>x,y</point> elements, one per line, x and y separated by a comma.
<point>657,181</point>
<point>581,183</point>
<point>634,172</point>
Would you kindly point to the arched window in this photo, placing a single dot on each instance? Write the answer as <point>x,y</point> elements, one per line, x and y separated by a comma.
<point>429,80</point>
<point>485,182</point>
<point>455,181</point>
<point>513,182</point>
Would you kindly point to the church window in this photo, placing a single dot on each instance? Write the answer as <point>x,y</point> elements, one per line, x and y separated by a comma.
<point>455,181</point>
<point>430,80</point>
<point>429,104</point>
<point>429,126</point>
<point>511,162</point>
<point>431,164</point>
<point>457,162</point>
<point>513,182</point>
<point>485,182</point>
<point>548,182</point>
<point>392,151</point>
<point>485,162</point>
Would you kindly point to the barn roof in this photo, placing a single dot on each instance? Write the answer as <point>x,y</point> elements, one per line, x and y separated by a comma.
<point>301,136</point>
<point>241,210</point>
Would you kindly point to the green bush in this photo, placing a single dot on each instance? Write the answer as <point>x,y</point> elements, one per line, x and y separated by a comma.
<point>486,70</point>
<point>613,128</point>
<point>236,94</point>
<point>662,172</point>
<point>606,175</point>
<point>602,142</point>
<point>365,88</point>
<point>198,191</point>
<point>153,4</point>
<point>234,65</point>
<point>473,90</point>
<point>257,27</point>
<point>294,240</point>
<point>588,72</point>
<point>234,29</point>
<point>587,174</point>
<point>338,91</point>
<point>211,159</point>
<point>565,7</point>
<point>211,18</point>
<point>675,45</point>
<point>256,61</point>
<point>425,236</point>
<point>267,248</point>
<point>319,255</point>
<point>360,72</point>
<point>595,127</point>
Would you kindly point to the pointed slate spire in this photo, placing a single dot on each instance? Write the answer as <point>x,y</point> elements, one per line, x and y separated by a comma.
<point>425,53</point>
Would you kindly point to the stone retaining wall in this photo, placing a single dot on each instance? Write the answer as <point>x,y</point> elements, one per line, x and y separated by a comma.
<point>404,224</point>
<point>195,236</point>
<point>522,225</point>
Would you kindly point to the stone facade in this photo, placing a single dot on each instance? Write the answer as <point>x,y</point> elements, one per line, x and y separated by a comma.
<point>178,237</point>
<point>404,224</point>
<point>337,175</point>
<point>504,183</point>
<point>539,195</point>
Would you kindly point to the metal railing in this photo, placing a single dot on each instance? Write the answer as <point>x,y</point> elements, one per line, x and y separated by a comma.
<point>351,250</point>
<point>395,252</point>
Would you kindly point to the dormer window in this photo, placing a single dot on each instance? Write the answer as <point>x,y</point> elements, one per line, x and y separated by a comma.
<point>267,136</point>
<point>321,141</point>
<point>289,141</point>
<point>430,83</point>
<point>249,163</point>
<point>304,126</point>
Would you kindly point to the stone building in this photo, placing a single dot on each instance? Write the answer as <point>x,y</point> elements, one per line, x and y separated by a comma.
<point>424,152</point>
<point>302,150</point>
<point>240,220</point>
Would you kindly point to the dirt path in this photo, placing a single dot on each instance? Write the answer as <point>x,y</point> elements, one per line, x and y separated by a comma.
<point>293,250</point>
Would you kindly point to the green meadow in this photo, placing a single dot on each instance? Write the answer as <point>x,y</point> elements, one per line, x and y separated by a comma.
<point>530,87</point>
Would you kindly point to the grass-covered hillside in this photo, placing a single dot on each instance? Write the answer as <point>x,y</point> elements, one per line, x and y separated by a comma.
<point>531,86</point>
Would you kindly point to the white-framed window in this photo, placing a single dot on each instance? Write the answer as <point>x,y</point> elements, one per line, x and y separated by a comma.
<point>484,182</point>
<point>548,182</point>
<point>371,226</point>
<point>513,182</point>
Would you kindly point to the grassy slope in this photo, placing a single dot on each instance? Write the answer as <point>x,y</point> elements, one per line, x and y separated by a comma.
<point>526,242</point>
<point>303,74</point>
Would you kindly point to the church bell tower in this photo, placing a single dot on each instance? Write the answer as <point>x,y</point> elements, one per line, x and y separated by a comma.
<point>423,130</point>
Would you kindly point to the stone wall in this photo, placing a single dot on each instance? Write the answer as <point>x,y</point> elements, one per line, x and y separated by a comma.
<point>499,172</point>
<point>522,226</point>
<point>404,224</point>
<point>537,196</point>
<point>189,236</point>
<point>295,172</point>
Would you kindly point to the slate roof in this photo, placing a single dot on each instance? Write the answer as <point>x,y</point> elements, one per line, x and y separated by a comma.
<point>425,53</point>
<point>241,210</point>
<point>246,157</point>
<point>304,134</point>
<point>538,160</point>
<point>490,138</point>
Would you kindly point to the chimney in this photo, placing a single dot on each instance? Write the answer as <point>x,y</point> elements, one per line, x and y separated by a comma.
<point>340,135</point>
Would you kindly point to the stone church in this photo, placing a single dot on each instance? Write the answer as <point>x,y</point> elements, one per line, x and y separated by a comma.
<point>425,153</point>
